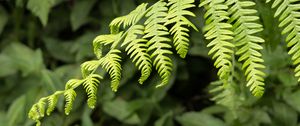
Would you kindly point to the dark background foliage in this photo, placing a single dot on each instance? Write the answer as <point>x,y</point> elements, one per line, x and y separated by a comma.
<point>43,42</point>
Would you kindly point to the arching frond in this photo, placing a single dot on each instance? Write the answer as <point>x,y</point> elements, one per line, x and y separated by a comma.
<point>176,16</point>
<point>247,43</point>
<point>72,83</point>
<point>89,66</point>
<point>111,64</point>
<point>70,95</point>
<point>289,17</point>
<point>225,94</point>
<point>220,34</point>
<point>136,47</point>
<point>105,40</point>
<point>159,43</point>
<point>90,84</point>
<point>130,19</point>
<point>34,114</point>
<point>52,101</point>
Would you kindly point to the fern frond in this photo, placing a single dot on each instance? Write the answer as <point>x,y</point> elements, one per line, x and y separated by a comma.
<point>248,45</point>
<point>70,95</point>
<point>73,83</point>
<point>288,10</point>
<point>176,16</point>
<point>220,35</point>
<point>52,100</point>
<point>136,47</point>
<point>34,114</point>
<point>159,43</point>
<point>226,94</point>
<point>130,19</point>
<point>111,64</point>
<point>90,84</point>
<point>105,40</point>
<point>89,66</point>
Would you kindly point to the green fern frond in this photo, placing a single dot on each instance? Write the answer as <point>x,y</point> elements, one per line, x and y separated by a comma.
<point>130,19</point>
<point>70,95</point>
<point>73,83</point>
<point>89,66</point>
<point>176,16</point>
<point>52,100</point>
<point>248,45</point>
<point>225,94</point>
<point>159,43</point>
<point>111,64</point>
<point>136,47</point>
<point>34,114</point>
<point>105,40</point>
<point>288,10</point>
<point>90,84</point>
<point>220,34</point>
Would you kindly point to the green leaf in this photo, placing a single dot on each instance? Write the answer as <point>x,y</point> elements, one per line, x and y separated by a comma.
<point>118,109</point>
<point>283,115</point>
<point>59,50</point>
<point>86,119</point>
<point>293,100</point>
<point>7,66</point>
<point>80,13</point>
<point>16,111</point>
<point>165,120</point>
<point>41,9</point>
<point>3,19</point>
<point>24,59</point>
<point>199,119</point>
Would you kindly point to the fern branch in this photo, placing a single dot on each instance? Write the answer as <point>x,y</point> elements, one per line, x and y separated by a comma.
<point>136,48</point>
<point>90,84</point>
<point>248,45</point>
<point>220,35</point>
<point>176,15</point>
<point>159,43</point>
<point>111,64</point>
<point>288,10</point>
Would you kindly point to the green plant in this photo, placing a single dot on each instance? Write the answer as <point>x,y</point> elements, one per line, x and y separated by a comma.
<point>230,25</point>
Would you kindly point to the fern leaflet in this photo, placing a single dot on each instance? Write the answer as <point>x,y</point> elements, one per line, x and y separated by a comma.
<point>132,18</point>
<point>137,48</point>
<point>90,84</point>
<point>176,16</point>
<point>111,64</point>
<point>220,35</point>
<point>159,44</point>
<point>70,95</point>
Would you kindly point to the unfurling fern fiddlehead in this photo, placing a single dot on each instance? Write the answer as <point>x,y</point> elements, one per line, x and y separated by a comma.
<point>147,44</point>
<point>289,17</point>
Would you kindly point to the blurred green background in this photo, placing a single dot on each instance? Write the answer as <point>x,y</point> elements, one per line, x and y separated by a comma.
<point>43,43</point>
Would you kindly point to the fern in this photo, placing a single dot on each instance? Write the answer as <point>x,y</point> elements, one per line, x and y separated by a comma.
<point>52,100</point>
<point>70,95</point>
<point>90,84</point>
<point>220,34</point>
<point>176,16</point>
<point>288,10</point>
<point>145,38</point>
<point>130,19</point>
<point>159,44</point>
<point>137,48</point>
<point>247,44</point>
<point>111,64</point>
